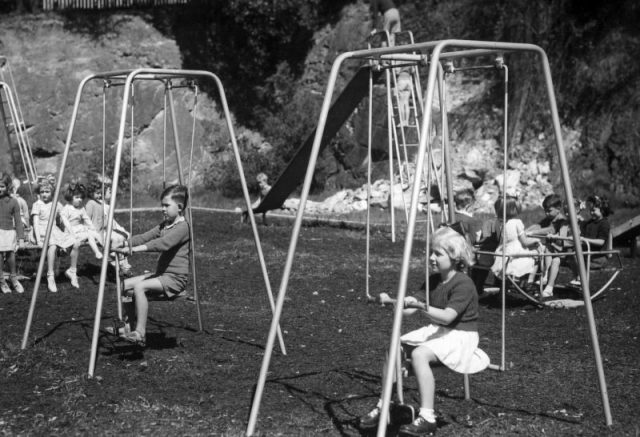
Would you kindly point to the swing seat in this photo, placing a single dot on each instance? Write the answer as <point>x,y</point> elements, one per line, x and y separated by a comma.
<point>182,296</point>
<point>479,361</point>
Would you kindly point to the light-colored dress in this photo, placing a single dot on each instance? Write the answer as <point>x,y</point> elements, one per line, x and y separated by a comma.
<point>81,224</point>
<point>58,237</point>
<point>519,266</point>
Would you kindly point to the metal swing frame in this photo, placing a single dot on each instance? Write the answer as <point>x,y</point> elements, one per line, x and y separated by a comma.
<point>8,87</point>
<point>127,78</point>
<point>432,52</point>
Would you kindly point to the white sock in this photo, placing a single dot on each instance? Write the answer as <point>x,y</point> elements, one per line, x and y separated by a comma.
<point>379,404</point>
<point>548,291</point>
<point>428,413</point>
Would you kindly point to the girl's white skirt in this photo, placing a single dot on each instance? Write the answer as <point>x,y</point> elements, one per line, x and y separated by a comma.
<point>8,240</point>
<point>58,236</point>
<point>458,350</point>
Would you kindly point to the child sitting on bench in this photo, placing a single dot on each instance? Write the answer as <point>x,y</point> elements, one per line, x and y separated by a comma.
<point>171,239</point>
<point>594,231</point>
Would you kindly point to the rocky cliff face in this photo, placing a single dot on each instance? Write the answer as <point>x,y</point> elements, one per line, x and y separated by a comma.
<point>49,55</point>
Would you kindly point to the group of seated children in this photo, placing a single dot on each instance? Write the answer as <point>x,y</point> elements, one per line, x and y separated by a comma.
<point>537,248</point>
<point>74,225</point>
<point>88,223</point>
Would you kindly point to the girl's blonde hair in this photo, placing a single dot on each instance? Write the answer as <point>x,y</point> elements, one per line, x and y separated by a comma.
<point>456,247</point>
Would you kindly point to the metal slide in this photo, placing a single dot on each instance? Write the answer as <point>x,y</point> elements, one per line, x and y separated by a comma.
<point>292,176</point>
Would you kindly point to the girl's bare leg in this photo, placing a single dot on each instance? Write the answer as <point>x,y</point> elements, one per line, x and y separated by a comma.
<point>51,259</point>
<point>73,256</point>
<point>421,359</point>
<point>94,246</point>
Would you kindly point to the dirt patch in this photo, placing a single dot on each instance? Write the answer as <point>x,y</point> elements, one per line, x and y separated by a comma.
<point>201,383</point>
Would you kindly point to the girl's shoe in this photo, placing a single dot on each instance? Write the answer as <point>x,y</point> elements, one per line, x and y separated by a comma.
<point>4,287</point>
<point>51,283</point>
<point>17,286</point>
<point>135,337</point>
<point>98,255</point>
<point>73,278</point>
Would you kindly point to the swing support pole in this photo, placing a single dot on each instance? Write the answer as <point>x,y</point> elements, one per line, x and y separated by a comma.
<point>435,50</point>
<point>126,79</point>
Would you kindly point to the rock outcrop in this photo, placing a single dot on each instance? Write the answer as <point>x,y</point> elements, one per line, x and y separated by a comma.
<point>49,55</point>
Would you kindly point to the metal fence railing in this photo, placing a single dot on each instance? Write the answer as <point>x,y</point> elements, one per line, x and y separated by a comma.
<point>49,5</point>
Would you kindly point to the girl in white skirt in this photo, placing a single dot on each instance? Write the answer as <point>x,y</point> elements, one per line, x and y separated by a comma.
<point>41,213</point>
<point>451,337</point>
<point>11,236</point>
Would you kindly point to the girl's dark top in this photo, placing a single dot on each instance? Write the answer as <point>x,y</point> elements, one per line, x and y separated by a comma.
<point>597,229</point>
<point>460,295</point>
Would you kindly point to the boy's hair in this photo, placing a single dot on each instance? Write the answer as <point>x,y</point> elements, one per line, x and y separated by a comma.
<point>552,201</point>
<point>455,245</point>
<point>602,203</point>
<point>178,194</point>
<point>7,180</point>
<point>512,207</point>
<point>74,189</point>
<point>463,198</point>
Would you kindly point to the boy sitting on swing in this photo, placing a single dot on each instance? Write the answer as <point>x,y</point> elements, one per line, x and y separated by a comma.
<point>171,239</point>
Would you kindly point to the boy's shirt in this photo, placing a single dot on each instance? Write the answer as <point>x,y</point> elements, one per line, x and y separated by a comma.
<point>172,241</point>
<point>557,225</point>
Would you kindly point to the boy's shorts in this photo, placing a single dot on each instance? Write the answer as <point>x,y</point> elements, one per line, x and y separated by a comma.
<point>172,284</point>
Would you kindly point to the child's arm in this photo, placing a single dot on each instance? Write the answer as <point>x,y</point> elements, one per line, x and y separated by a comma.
<point>35,213</point>
<point>17,222</point>
<point>438,315</point>
<point>524,239</point>
<point>178,234</point>
<point>65,219</point>
<point>87,220</point>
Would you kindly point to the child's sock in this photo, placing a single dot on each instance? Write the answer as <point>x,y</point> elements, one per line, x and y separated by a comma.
<point>428,413</point>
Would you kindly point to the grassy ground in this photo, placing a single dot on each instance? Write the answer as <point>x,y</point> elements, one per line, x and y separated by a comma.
<point>201,383</point>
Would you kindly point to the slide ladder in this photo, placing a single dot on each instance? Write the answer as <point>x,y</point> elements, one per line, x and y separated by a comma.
<point>406,114</point>
<point>14,127</point>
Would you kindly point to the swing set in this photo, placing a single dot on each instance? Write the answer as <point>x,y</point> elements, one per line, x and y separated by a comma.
<point>431,54</point>
<point>170,79</point>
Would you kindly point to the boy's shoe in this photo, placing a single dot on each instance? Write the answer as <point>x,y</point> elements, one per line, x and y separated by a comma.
<point>51,283</point>
<point>119,328</point>
<point>4,287</point>
<point>134,337</point>
<point>73,278</point>
<point>419,427</point>
<point>126,271</point>
<point>17,286</point>
<point>370,420</point>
